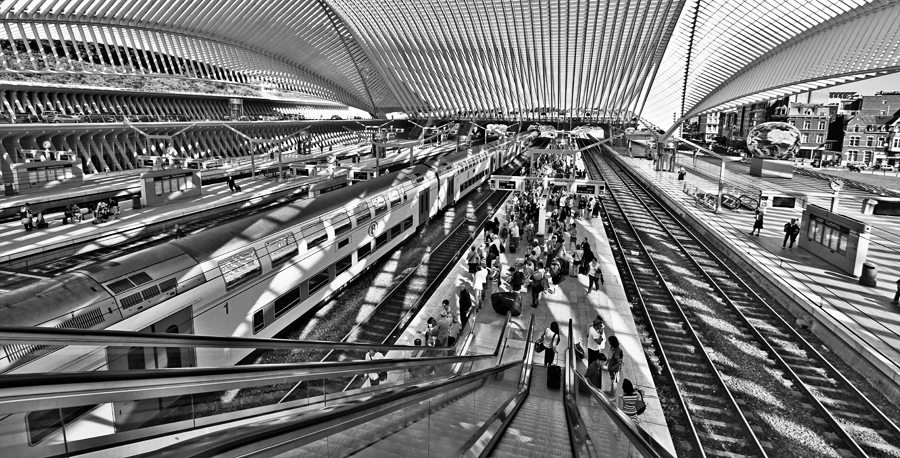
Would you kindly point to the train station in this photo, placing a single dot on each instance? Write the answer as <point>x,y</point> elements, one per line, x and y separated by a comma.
<point>476,229</point>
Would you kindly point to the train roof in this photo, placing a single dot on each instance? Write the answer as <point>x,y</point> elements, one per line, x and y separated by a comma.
<point>49,299</point>
<point>133,262</point>
<point>235,235</point>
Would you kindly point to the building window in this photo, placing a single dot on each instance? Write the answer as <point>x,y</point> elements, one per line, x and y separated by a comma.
<point>867,156</point>
<point>870,142</point>
<point>853,141</point>
<point>806,123</point>
<point>821,125</point>
<point>804,138</point>
<point>896,143</point>
<point>856,128</point>
<point>819,138</point>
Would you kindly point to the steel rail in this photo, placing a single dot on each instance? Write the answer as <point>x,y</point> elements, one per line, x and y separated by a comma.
<point>693,334</point>
<point>772,352</point>
<point>639,299</point>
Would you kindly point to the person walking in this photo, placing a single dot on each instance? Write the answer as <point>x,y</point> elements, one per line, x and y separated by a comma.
<point>577,256</point>
<point>595,339</point>
<point>514,237</point>
<point>550,339</point>
<point>757,223</point>
<point>230,181</point>
<point>791,230</point>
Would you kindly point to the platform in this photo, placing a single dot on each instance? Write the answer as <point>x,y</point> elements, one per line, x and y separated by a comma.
<point>16,243</point>
<point>857,322</point>
<point>570,301</point>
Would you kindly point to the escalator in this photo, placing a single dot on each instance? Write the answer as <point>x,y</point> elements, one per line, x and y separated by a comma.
<point>431,405</point>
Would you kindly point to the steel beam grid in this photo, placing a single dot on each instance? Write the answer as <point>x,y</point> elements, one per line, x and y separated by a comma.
<point>478,57</point>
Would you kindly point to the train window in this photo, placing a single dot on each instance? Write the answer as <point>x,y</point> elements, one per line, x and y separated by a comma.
<point>173,354</point>
<point>395,198</point>
<point>282,248</point>
<point>318,281</point>
<point>286,301</point>
<point>363,251</point>
<point>380,241</point>
<point>259,321</point>
<point>136,359</point>
<point>240,267</point>
<point>42,424</point>
<point>343,264</point>
<point>395,231</point>
<point>379,204</point>
<point>407,223</point>
<point>315,234</point>
<point>340,223</point>
<point>361,213</point>
<point>343,243</point>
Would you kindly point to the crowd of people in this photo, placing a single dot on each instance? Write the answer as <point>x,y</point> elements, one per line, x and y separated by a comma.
<point>103,211</point>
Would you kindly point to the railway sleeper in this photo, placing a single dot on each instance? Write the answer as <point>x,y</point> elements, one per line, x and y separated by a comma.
<point>806,377</point>
<point>721,424</point>
<point>701,386</point>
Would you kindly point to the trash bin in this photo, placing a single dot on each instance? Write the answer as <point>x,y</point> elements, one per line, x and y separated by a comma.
<point>9,190</point>
<point>135,202</point>
<point>869,275</point>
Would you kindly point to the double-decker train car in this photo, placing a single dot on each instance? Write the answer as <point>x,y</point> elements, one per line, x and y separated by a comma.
<point>249,277</point>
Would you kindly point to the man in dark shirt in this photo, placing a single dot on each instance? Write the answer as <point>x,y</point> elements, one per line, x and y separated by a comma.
<point>791,230</point>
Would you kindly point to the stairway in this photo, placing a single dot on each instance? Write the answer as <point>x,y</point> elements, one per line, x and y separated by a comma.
<point>539,429</point>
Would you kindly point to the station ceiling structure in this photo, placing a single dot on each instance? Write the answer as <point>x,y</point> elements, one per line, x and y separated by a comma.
<point>662,60</point>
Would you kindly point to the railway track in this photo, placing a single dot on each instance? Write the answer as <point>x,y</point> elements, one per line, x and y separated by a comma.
<point>795,400</point>
<point>715,423</point>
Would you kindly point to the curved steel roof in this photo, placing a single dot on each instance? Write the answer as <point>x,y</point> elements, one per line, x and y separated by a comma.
<point>659,59</point>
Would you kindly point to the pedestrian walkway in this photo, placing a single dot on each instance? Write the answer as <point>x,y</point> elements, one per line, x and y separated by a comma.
<point>856,321</point>
<point>570,301</point>
<point>17,243</point>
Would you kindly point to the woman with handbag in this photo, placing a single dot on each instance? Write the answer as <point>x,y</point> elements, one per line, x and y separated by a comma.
<point>549,340</point>
<point>614,363</point>
<point>631,401</point>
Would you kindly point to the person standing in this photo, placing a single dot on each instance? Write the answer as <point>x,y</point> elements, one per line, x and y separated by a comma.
<point>26,215</point>
<point>537,284</point>
<point>595,276</point>
<point>550,339</point>
<point>114,208</point>
<point>473,259</point>
<point>514,237</point>
<point>481,275</point>
<point>230,181</point>
<point>576,260</point>
<point>504,235</point>
<point>897,295</point>
<point>614,363</point>
<point>443,330</point>
<point>595,339</point>
<point>681,173</point>
<point>791,230</point>
<point>757,223</point>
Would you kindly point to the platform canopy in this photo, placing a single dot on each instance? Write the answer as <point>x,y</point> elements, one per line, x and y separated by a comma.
<point>661,60</point>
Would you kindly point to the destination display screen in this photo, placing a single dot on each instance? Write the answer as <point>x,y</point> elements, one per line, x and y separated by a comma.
<point>585,189</point>
<point>506,185</point>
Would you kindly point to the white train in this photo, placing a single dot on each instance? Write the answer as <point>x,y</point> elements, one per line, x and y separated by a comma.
<point>250,277</point>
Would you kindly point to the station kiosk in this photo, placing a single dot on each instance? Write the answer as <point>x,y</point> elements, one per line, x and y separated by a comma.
<point>837,239</point>
<point>38,173</point>
<point>161,186</point>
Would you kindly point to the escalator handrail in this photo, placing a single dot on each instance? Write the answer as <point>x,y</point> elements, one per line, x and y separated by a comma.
<point>27,392</point>
<point>26,335</point>
<point>483,441</point>
<point>579,439</point>
<point>288,434</point>
<point>640,439</point>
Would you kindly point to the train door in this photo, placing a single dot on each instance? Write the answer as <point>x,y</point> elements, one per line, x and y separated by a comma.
<point>424,206</point>
<point>451,189</point>
<point>138,413</point>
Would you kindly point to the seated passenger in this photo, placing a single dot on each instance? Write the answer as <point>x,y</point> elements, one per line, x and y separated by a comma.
<point>41,224</point>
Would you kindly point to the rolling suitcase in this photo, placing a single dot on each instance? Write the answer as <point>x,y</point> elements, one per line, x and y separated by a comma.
<point>554,376</point>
